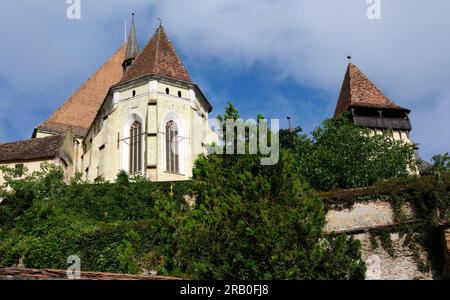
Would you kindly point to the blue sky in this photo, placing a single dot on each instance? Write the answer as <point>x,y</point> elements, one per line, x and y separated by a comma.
<point>279,58</point>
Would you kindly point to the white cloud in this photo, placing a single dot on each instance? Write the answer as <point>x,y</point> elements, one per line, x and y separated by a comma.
<point>405,53</point>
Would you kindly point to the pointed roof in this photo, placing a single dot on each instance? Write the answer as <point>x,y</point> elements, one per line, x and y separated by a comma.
<point>358,91</point>
<point>158,57</point>
<point>79,111</point>
<point>132,45</point>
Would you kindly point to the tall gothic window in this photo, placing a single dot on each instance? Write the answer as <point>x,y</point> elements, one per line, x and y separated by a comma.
<point>135,148</point>
<point>172,156</point>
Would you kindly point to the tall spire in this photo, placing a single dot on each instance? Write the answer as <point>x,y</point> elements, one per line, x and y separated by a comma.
<point>132,47</point>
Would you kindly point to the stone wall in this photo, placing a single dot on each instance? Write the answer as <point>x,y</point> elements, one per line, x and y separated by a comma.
<point>446,242</point>
<point>363,216</point>
<point>359,220</point>
<point>382,266</point>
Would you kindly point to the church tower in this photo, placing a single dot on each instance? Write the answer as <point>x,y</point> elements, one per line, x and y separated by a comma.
<point>368,107</point>
<point>153,122</point>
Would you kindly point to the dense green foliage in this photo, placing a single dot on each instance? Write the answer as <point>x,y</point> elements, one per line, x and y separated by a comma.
<point>108,225</point>
<point>341,155</point>
<point>254,222</point>
<point>248,222</point>
<point>257,222</point>
<point>440,165</point>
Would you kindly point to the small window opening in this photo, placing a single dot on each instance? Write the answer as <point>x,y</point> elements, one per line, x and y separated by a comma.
<point>167,91</point>
<point>134,93</point>
<point>179,94</point>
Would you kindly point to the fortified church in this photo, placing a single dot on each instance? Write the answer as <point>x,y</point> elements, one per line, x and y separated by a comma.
<point>140,112</point>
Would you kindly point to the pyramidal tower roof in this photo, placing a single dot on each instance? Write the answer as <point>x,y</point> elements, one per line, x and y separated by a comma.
<point>79,111</point>
<point>158,57</point>
<point>358,91</point>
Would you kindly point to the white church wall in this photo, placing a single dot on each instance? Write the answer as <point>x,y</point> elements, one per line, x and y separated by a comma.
<point>33,166</point>
<point>108,151</point>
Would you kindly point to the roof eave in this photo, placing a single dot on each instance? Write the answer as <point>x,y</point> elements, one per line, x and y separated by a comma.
<point>43,129</point>
<point>208,104</point>
<point>20,160</point>
<point>398,108</point>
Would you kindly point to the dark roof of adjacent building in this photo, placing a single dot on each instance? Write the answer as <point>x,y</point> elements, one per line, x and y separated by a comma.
<point>33,149</point>
<point>79,111</point>
<point>50,274</point>
<point>358,91</point>
<point>158,57</point>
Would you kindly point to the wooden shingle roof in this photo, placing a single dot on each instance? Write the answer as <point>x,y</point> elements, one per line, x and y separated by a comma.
<point>79,111</point>
<point>358,91</point>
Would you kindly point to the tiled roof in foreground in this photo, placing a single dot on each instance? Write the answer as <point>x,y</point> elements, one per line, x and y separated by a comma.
<point>49,274</point>
<point>32,149</point>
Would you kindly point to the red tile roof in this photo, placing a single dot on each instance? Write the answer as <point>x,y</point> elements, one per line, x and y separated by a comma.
<point>81,108</point>
<point>47,147</point>
<point>358,90</point>
<point>158,57</point>
<point>46,274</point>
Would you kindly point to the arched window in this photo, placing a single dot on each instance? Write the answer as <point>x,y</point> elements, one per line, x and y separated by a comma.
<point>135,148</point>
<point>172,156</point>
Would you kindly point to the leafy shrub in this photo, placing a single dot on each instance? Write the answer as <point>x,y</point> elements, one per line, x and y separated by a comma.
<point>341,155</point>
<point>43,221</point>
<point>250,222</point>
<point>253,222</point>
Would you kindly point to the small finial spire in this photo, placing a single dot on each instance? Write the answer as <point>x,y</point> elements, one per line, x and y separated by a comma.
<point>290,127</point>
<point>349,59</point>
<point>160,22</point>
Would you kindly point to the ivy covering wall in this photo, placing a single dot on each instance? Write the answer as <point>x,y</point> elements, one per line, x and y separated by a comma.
<point>429,196</point>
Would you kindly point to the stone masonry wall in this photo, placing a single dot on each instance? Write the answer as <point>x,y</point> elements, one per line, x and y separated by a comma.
<point>446,241</point>
<point>382,266</point>
<point>358,221</point>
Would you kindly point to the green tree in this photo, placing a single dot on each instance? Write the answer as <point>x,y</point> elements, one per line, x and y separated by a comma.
<point>440,165</point>
<point>254,222</point>
<point>341,155</point>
